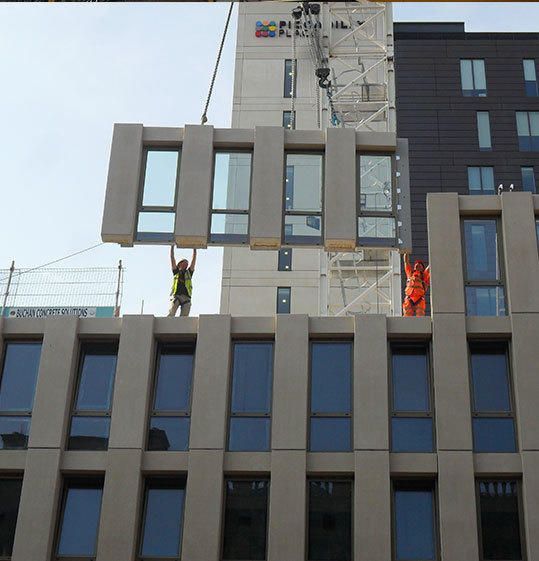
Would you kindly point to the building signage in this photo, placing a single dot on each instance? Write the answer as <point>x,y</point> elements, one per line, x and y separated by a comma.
<point>42,312</point>
<point>283,28</point>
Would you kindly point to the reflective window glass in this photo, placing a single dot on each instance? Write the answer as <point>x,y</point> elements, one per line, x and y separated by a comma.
<point>473,78</point>
<point>528,130</point>
<point>412,434</point>
<point>481,180</point>
<point>96,378</point>
<point>481,243</point>
<point>490,380</point>
<point>252,377</point>
<point>245,525</point>
<point>530,78</point>
<point>414,524</point>
<point>160,178</point>
<point>19,376</point>
<point>380,227</point>
<point>494,435</point>
<point>169,433</point>
<point>231,180</point>
<point>80,520</point>
<point>485,301</point>
<point>528,179</point>
<point>89,433</point>
<point>283,300</point>
<point>410,380</point>
<point>330,521</point>
<point>331,371</point>
<point>249,434</point>
<point>174,378</point>
<point>303,229</point>
<point>483,130</point>
<point>330,434</point>
<point>375,183</point>
<point>10,495</point>
<point>304,180</point>
<point>163,519</point>
<point>500,520</point>
<point>14,432</point>
<point>155,226</point>
<point>229,227</point>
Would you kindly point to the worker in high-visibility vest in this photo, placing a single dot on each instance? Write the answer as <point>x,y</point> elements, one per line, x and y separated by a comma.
<point>417,284</point>
<point>182,285</point>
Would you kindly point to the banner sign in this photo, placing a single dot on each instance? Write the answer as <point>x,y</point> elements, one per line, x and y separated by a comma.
<point>42,312</point>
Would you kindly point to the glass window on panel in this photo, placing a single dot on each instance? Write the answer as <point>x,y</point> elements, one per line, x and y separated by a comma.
<point>412,424</point>
<point>285,259</point>
<point>528,130</point>
<point>331,397</point>
<point>528,179</point>
<point>79,522</point>
<point>303,199</point>
<point>493,418</point>
<point>283,299</point>
<point>481,180</point>
<point>500,523</point>
<point>10,495</point>
<point>162,519</point>
<point>90,420</point>
<point>414,522</point>
<point>231,193</point>
<point>473,78</point>
<point>330,520</point>
<point>246,519</point>
<point>17,388</point>
<point>160,169</point>
<point>530,78</point>
<point>290,77</point>
<point>289,120</point>
<point>250,405</point>
<point>484,286</point>
<point>170,415</point>
<point>483,130</point>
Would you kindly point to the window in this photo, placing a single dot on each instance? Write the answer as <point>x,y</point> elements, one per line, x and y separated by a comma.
<point>231,191</point>
<point>499,521</point>
<point>250,406</point>
<point>160,170</point>
<point>246,515</point>
<point>290,78</point>
<point>492,411</point>
<point>162,519</point>
<point>90,422</point>
<point>331,397</point>
<point>17,388</point>
<point>81,508</point>
<point>330,520</point>
<point>483,130</point>
<point>473,79</point>
<point>530,78</point>
<point>528,179</point>
<point>288,121</point>
<point>528,130</point>
<point>285,259</point>
<point>10,495</point>
<point>483,278</point>
<point>283,300</point>
<point>170,415</point>
<point>414,525</point>
<point>303,199</point>
<point>481,181</point>
<point>411,398</point>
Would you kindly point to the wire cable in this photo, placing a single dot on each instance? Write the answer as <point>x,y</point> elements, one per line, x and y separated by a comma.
<point>204,118</point>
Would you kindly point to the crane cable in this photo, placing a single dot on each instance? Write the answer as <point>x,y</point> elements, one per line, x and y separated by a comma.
<point>204,118</point>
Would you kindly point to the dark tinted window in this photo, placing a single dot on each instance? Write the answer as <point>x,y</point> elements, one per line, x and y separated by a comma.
<point>19,375</point>
<point>414,522</point>
<point>530,78</point>
<point>528,179</point>
<point>411,434</point>
<point>285,259</point>
<point>473,78</point>
<point>288,122</point>
<point>481,249</point>
<point>245,528</point>
<point>528,130</point>
<point>14,432</point>
<point>481,180</point>
<point>290,82</point>
<point>80,519</point>
<point>10,494</point>
<point>499,517</point>
<point>283,300</point>
<point>330,521</point>
<point>250,405</point>
<point>170,418</point>
<point>163,519</point>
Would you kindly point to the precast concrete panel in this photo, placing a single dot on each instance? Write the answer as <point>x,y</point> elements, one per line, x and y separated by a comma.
<point>123,184</point>
<point>266,220</point>
<point>530,504</point>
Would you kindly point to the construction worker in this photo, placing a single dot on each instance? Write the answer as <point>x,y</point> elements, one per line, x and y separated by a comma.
<point>417,284</point>
<point>182,286</point>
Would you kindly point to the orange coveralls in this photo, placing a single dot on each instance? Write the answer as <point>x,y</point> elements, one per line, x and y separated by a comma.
<point>417,284</point>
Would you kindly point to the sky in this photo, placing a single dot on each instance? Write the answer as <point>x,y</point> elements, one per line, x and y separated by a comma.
<point>69,71</point>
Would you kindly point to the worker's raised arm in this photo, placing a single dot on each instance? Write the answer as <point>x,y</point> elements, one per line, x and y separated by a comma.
<point>407,266</point>
<point>193,260</point>
<point>172,258</point>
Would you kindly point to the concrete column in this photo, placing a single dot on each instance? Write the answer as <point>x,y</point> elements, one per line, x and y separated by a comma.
<point>123,185</point>
<point>129,421</point>
<point>457,506</point>
<point>530,504</point>
<point>195,187</point>
<point>287,525</point>
<point>445,253</point>
<point>210,383</point>
<point>38,506</point>
<point>266,215</point>
<point>120,506</point>
<point>520,252</point>
<point>203,506</point>
<point>54,388</point>
<point>290,383</point>
<point>372,506</point>
<point>370,407</point>
<point>525,358</point>
<point>451,382</point>
<point>340,187</point>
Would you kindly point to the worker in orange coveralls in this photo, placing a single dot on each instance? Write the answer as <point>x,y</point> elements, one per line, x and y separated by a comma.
<point>417,284</point>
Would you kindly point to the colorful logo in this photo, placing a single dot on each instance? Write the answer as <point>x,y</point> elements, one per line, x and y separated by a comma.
<point>266,28</point>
